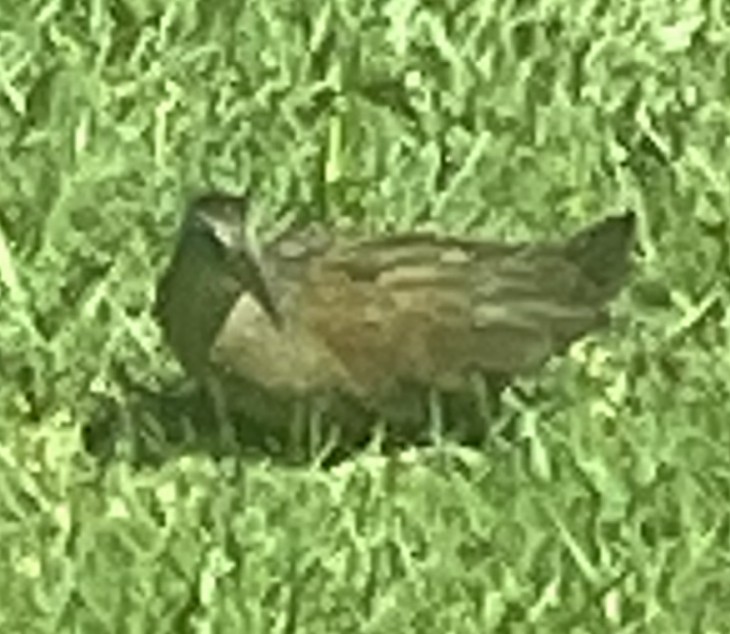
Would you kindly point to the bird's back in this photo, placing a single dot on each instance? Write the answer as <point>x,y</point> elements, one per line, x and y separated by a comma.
<point>366,316</point>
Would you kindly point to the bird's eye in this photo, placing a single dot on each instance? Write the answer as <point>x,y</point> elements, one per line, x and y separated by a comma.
<point>204,233</point>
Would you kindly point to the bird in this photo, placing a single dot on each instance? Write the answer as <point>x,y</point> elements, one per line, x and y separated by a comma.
<point>372,325</point>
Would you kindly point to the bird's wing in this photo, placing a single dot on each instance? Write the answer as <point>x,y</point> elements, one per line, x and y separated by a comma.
<point>427,310</point>
<point>430,309</point>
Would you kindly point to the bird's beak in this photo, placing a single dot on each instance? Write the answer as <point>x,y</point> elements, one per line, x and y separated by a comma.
<point>258,281</point>
<point>242,247</point>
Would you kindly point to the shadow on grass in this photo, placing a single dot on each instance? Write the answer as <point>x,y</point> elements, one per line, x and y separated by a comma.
<point>148,427</point>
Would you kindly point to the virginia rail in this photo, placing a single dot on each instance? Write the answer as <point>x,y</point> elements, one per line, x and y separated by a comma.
<point>374,321</point>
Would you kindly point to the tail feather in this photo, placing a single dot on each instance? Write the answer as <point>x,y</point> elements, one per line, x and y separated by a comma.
<point>602,252</point>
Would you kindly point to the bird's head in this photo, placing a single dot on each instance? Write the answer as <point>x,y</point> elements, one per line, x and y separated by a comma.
<point>219,219</point>
<point>215,227</point>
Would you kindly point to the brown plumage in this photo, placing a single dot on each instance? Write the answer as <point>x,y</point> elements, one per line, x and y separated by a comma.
<point>374,319</point>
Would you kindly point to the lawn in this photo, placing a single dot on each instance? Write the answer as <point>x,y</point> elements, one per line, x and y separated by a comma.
<point>607,509</point>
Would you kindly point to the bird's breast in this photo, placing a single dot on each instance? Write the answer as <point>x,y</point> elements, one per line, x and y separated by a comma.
<point>286,357</point>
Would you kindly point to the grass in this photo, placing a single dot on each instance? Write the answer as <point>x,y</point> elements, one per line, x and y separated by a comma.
<point>609,513</point>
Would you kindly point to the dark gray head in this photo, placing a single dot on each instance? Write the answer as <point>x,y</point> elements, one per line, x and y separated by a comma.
<point>215,227</point>
<point>218,217</point>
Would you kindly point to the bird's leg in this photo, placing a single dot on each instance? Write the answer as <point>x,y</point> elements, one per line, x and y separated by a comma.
<point>309,437</point>
<point>484,404</point>
<point>435,416</point>
<point>296,438</point>
<point>221,412</point>
<point>324,437</point>
<point>486,393</point>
